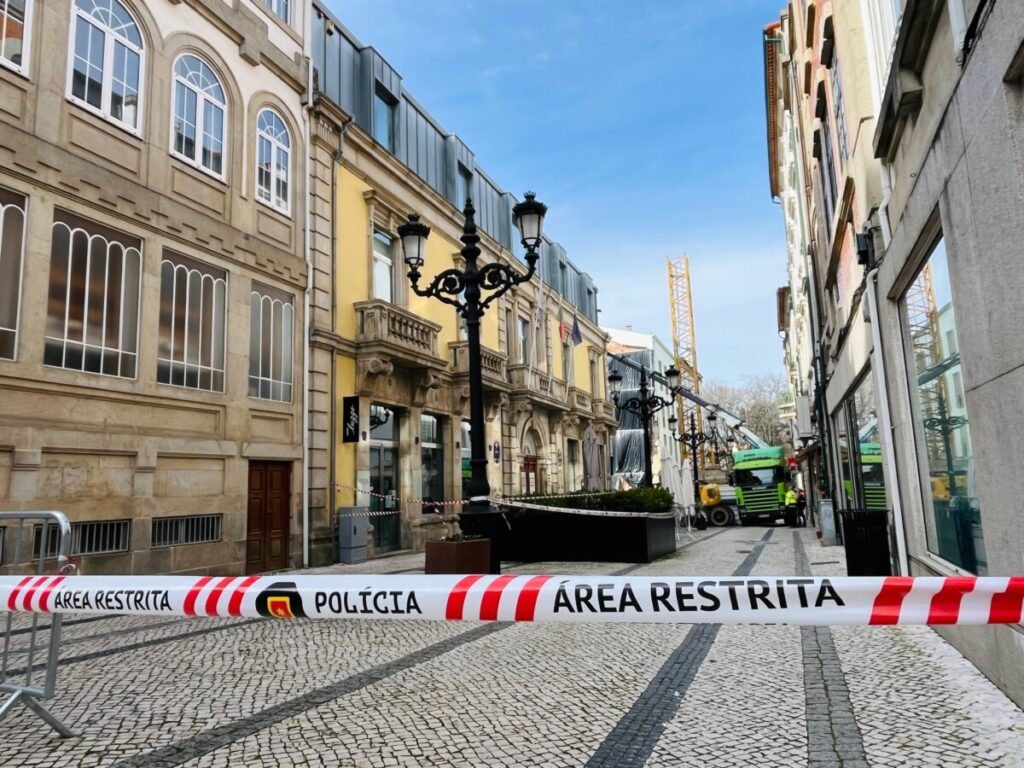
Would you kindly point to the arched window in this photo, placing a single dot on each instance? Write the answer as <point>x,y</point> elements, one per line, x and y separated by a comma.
<point>273,155</point>
<point>199,115</point>
<point>107,60</point>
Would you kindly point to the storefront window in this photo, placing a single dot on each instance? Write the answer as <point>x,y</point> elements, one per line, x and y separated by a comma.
<point>467,453</point>
<point>860,450</point>
<point>384,478</point>
<point>432,460</point>
<point>941,424</point>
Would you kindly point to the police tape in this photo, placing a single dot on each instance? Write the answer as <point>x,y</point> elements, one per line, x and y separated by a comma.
<point>517,504</point>
<point>461,502</point>
<point>658,599</point>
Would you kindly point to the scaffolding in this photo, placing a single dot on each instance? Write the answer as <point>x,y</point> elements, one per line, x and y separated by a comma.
<point>684,342</point>
<point>923,324</point>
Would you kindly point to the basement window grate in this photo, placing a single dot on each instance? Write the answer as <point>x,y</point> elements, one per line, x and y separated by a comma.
<point>195,529</point>
<point>94,538</point>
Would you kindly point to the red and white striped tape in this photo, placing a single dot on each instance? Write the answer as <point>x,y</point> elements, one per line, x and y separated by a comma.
<point>662,599</point>
<point>515,500</point>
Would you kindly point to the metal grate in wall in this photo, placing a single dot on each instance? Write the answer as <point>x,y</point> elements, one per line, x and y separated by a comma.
<point>94,538</point>
<point>195,529</point>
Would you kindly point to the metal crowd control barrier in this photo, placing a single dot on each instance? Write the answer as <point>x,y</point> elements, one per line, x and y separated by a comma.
<point>45,541</point>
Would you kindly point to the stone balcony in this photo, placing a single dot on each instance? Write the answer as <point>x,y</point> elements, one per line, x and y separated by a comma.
<point>538,385</point>
<point>492,365</point>
<point>603,410</point>
<point>580,400</point>
<point>396,333</point>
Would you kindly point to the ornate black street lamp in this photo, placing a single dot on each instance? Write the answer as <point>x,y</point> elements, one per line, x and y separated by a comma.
<point>694,440</point>
<point>946,425</point>
<point>644,406</point>
<point>462,288</point>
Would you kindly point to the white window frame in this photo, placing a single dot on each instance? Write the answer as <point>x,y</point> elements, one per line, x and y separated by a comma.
<point>79,16</point>
<point>20,267</point>
<point>121,349</point>
<point>389,260</point>
<point>201,101</point>
<point>275,7</point>
<point>269,197</point>
<point>261,301</point>
<point>26,46</point>
<point>205,278</point>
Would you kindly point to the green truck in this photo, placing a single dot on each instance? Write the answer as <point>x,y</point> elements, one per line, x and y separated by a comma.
<point>872,478</point>
<point>760,476</point>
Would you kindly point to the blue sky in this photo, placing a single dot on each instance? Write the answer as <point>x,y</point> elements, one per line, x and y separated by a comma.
<point>640,124</point>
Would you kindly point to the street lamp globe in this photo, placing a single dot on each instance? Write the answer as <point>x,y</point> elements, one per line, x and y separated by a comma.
<point>672,376</point>
<point>413,235</point>
<point>712,418</point>
<point>529,219</point>
<point>615,383</point>
<point>672,422</point>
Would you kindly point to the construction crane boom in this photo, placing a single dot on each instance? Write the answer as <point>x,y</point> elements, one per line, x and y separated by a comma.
<point>684,339</point>
<point>731,420</point>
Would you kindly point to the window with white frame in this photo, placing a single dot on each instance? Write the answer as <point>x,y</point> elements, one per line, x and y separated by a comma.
<point>524,341</point>
<point>15,18</point>
<point>281,8</point>
<point>192,311</point>
<point>383,267</point>
<point>200,108</point>
<point>12,248</point>
<point>273,156</point>
<point>93,307</point>
<point>271,337</point>
<point>107,58</point>
<point>839,109</point>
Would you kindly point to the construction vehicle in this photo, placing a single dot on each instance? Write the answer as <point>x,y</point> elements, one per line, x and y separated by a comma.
<point>760,476</point>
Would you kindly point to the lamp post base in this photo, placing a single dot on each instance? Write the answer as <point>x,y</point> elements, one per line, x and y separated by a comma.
<point>485,521</point>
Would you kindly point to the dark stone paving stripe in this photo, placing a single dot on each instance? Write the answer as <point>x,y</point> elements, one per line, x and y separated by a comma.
<point>833,736</point>
<point>208,741</point>
<point>634,737</point>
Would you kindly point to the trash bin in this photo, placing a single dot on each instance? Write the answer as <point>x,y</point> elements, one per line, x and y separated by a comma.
<point>866,540</point>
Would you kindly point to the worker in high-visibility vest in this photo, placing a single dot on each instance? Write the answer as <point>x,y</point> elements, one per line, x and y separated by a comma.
<point>791,506</point>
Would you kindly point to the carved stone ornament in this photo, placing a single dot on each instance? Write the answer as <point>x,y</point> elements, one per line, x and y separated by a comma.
<point>371,369</point>
<point>425,388</point>
<point>523,405</point>
<point>494,405</point>
<point>460,398</point>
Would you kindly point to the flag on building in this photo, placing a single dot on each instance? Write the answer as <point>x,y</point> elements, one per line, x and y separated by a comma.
<point>577,337</point>
<point>563,329</point>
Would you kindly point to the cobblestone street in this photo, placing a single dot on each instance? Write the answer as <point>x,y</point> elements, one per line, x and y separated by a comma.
<point>202,692</point>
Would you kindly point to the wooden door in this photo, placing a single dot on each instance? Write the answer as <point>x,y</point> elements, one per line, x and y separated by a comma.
<point>269,516</point>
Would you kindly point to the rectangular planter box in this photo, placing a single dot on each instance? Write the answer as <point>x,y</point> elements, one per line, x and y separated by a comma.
<point>553,536</point>
<point>473,556</point>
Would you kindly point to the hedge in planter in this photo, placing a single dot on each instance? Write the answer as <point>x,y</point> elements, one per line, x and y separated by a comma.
<point>633,500</point>
<point>546,535</point>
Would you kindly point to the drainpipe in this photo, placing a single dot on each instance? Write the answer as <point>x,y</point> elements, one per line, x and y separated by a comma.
<point>885,417</point>
<point>305,313</point>
<point>333,469</point>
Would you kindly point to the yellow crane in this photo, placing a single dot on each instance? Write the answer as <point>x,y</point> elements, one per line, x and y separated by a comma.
<point>684,339</point>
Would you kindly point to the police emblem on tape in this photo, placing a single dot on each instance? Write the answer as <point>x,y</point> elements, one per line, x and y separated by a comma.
<point>281,600</point>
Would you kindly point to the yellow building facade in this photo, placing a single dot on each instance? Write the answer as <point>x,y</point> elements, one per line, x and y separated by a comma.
<point>393,429</point>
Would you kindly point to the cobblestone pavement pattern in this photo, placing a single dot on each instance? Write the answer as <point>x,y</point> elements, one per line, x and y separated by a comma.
<point>219,693</point>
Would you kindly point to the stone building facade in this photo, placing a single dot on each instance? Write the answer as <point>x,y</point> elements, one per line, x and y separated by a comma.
<point>152,275</point>
<point>950,289</point>
<point>389,368</point>
<point>939,284</point>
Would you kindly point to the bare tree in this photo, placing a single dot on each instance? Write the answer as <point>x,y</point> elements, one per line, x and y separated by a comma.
<point>756,400</point>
